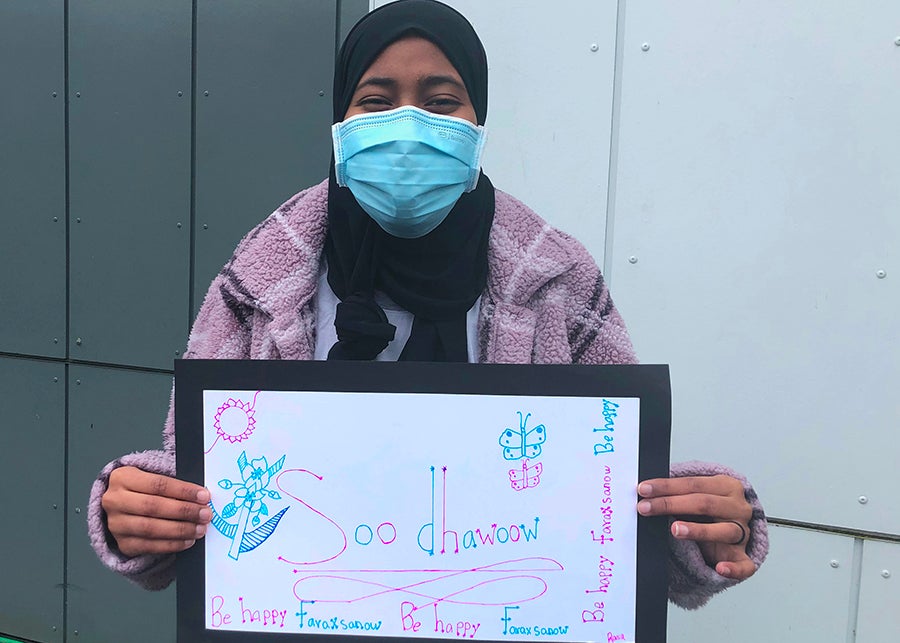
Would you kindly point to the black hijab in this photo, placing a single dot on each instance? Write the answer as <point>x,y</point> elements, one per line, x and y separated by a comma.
<point>437,277</point>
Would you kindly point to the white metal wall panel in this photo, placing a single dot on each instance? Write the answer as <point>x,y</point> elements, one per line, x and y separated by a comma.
<point>550,103</point>
<point>797,595</point>
<point>756,202</point>
<point>879,594</point>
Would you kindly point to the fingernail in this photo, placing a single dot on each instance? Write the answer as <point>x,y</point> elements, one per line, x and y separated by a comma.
<point>189,543</point>
<point>201,531</point>
<point>203,496</point>
<point>645,489</point>
<point>205,515</point>
<point>643,507</point>
<point>681,530</point>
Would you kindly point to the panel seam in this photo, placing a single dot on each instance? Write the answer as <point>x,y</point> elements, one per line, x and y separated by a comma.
<point>65,500</point>
<point>192,215</point>
<point>612,174</point>
<point>855,582</point>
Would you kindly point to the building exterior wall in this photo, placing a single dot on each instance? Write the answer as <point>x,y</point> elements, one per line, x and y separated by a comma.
<point>732,165</point>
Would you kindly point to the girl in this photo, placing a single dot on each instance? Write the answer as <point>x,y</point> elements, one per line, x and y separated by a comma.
<point>408,252</point>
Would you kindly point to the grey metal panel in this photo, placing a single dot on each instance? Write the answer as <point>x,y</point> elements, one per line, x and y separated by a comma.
<point>111,412</point>
<point>879,594</point>
<point>32,495</point>
<point>349,12</point>
<point>130,143</point>
<point>32,178</point>
<point>757,192</point>
<point>795,596</point>
<point>262,126</point>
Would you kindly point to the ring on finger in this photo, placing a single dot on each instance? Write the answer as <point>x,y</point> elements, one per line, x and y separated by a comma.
<point>743,532</point>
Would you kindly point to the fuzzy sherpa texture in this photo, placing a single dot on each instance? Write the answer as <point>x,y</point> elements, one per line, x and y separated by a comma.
<point>545,303</point>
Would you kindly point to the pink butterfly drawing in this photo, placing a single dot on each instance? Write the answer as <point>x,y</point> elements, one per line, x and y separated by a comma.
<point>526,477</point>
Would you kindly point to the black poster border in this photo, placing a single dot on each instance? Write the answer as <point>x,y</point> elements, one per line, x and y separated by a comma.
<point>650,383</point>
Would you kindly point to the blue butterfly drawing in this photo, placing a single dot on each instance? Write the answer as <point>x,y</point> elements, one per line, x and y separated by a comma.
<point>524,443</point>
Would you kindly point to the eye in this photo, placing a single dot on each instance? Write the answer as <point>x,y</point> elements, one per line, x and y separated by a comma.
<point>443,104</point>
<point>374,103</point>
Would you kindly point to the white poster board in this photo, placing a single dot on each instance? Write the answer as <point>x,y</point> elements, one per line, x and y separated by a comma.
<point>423,515</point>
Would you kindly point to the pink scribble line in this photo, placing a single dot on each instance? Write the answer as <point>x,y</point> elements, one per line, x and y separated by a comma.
<point>388,589</point>
<point>315,511</point>
<point>455,572</point>
<point>486,569</point>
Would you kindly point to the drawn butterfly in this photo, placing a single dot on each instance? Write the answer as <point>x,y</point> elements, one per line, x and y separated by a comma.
<point>523,443</point>
<point>527,477</point>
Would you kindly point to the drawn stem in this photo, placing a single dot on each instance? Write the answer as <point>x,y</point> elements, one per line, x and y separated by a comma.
<point>243,519</point>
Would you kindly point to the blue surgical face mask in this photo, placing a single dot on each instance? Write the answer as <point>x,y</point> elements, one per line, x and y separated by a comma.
<point>407,167</point>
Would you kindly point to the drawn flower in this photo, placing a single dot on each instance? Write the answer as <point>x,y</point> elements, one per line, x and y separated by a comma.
<point>234,420</point>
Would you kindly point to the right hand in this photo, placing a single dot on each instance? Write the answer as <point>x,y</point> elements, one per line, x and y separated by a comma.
<point>149,513</point>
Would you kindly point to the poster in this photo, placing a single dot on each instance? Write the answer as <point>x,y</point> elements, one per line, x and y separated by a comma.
<point>423,514</point>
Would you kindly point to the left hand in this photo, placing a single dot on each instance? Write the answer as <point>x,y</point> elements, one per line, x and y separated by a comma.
<point>704,507</point>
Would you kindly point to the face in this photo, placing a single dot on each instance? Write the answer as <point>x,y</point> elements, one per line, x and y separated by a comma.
<point>412,71</point>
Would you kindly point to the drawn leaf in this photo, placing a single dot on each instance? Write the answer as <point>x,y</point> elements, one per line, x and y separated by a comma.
<point>226,484</point>
<point>229,510</point>
<point>263,509</point>
<point>242,461</point>
<point>255,520</point>
<point>274,495</point>
<point>275,468</point>
<point>255,538</point>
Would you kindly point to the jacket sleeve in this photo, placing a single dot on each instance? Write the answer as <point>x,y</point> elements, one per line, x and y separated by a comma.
<point>222,330</point>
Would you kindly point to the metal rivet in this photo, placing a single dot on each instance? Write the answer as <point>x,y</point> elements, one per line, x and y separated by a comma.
<point>75,632</point>
<point>205,226</point>
<point>78,341</point>
<point>78,382</point>
<point>881,274</point>
<point>645,46</point>
<point>77,94</point>
<point>55,379</point>
<point>53,94</point>
<point>78,220</point>
<point>321,92</point>
<point>55,341</point>
<point>897,41</point>
<point>55,219</point>
<point>206,93</point>
<point>595,47</point>
<point>863,500</point>
<point>178,225</point>
<point>55,506</point>
<point>53,628</point>
<point>78,510</point>
<point>632,259</point>
<point>177,352</point>
<point>835,564</point>
<point>885,573</point>
<point>180,94</point>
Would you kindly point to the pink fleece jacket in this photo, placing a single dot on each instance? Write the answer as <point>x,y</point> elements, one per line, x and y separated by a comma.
<point>545,303</point>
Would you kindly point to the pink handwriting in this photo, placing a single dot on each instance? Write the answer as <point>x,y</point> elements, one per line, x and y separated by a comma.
<point>462,629</point>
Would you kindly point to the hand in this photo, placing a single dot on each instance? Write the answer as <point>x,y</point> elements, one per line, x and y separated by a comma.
<point>705,507</point>
<point>152,514</point>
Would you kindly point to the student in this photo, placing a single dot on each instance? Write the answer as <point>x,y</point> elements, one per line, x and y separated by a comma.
<point>407,252</point>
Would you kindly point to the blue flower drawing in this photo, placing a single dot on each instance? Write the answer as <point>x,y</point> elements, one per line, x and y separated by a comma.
<point>248,505</point>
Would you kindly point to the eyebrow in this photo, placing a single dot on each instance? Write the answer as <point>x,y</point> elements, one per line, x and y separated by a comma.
<point>428,81</point>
